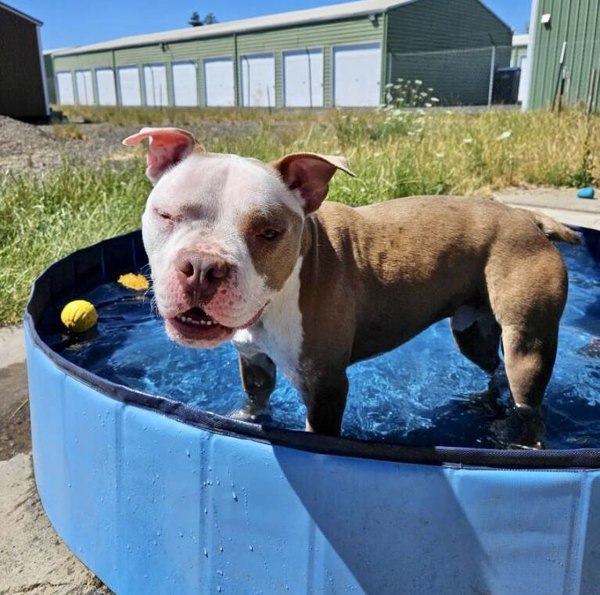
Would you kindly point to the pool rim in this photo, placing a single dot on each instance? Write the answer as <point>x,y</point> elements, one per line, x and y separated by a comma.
<point>551,459</point>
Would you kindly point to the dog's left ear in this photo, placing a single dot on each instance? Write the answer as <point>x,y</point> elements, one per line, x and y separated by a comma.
<point>309,173</point>
<point>166,147</point>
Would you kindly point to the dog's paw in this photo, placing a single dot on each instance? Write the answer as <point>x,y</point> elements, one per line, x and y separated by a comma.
<point>250,414</point>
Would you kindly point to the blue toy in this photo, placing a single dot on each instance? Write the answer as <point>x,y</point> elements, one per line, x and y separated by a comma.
<point>587,192</point>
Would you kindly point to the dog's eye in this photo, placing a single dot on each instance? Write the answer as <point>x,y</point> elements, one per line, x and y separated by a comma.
<point>269,234</point>
<point>163,215</point>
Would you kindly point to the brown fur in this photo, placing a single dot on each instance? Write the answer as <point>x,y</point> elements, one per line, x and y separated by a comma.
<point>374,277</point>
<point>274,260</point>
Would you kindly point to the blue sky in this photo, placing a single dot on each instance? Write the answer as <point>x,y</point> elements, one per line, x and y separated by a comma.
<point>79,22</point>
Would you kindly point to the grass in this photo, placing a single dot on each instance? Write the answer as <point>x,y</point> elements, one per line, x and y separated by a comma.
<point>168,116</point>
<point>393,155</point>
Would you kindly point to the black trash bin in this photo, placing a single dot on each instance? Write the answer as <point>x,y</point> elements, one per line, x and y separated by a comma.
<point>506,85</point>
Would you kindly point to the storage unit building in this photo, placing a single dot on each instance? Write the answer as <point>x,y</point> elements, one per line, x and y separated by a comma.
<point>23,91</point>
<point>340,55</point>
<point>568,29</point>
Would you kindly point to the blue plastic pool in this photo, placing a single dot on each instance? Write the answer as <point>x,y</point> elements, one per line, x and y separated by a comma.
<point>154,486</point>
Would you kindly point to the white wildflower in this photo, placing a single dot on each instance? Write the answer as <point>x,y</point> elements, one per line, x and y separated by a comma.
<point>506,134</point>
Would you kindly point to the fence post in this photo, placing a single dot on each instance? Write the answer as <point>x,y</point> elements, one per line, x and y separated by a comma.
<point>492,69</point>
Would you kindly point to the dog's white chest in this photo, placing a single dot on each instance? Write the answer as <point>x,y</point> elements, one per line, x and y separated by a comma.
<point>279,331</point>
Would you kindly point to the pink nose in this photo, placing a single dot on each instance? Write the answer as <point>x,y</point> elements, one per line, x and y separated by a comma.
<point>201,274</point>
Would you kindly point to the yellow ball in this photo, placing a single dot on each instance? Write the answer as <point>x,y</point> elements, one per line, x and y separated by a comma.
<point>79,316</point>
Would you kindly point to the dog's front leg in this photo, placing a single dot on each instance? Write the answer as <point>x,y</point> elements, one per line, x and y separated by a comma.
<point>325,400</point>
<point>258,374</point>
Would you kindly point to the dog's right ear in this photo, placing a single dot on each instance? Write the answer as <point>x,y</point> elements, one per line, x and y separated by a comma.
<point>166,148</point>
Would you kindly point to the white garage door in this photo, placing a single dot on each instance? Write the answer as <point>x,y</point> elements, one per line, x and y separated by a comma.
<point>155,85</point>
<point>185,84</point>
<point>105,82</point>
<point>129,85</point>
<point>64,80</point>
<point>258,80</point>
<point>357,74</point>
<point>218,82</point>
<point>303,78</point>
<point>85,88</point>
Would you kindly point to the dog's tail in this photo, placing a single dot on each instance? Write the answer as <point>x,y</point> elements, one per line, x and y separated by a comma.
<point>555,231</point>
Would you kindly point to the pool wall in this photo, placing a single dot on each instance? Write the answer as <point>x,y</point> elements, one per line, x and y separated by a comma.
<point>155,498</point>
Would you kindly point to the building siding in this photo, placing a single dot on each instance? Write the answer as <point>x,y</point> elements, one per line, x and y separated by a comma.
<point>422,37</point>
<point>21,74</point>
<point>576,22</point>
<point>50,78</point>
<point>322,36</point>
<point>518,52</point>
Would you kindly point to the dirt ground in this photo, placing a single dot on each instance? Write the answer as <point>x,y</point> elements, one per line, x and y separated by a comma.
<point>39,148</point>
<point>15,436</point>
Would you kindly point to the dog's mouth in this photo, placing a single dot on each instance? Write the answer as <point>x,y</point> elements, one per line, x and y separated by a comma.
<point>196,325</point>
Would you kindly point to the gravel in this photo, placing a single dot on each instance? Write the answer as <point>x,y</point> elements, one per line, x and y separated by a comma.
<point>37,148</point>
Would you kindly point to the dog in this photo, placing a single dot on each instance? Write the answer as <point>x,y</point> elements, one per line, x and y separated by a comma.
<point>247,251</point>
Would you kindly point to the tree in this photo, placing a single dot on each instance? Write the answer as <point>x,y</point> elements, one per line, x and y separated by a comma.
<point>195,20</point>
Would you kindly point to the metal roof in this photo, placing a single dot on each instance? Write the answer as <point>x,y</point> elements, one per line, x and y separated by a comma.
<point>312,15</point>
<point>20,14</point>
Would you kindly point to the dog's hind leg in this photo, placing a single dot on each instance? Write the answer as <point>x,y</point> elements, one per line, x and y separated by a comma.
<point>528,298</point>
<point>529,359</point>
<point>477,335</point>
<point>258,375</point>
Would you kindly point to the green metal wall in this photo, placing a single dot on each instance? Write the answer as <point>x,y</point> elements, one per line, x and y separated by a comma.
<point>447,44</point>
<point>316,36</point>
<point>578,23</point>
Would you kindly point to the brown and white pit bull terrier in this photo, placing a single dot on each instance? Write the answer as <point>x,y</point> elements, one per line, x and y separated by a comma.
<point>245,251</point>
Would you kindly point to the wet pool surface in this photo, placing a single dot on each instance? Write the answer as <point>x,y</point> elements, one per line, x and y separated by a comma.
<point>424,393</point>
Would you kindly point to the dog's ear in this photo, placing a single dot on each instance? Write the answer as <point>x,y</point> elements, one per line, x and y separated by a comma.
<point>309,173</point>
<point>167,147</point>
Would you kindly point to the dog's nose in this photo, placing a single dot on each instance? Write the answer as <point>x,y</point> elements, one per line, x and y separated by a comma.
<point>202,274</point>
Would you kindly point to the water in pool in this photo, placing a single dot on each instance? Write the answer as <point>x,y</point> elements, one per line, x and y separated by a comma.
<point>424,393</point>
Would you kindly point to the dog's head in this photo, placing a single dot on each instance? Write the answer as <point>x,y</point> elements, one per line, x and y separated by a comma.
<point>223,232</point>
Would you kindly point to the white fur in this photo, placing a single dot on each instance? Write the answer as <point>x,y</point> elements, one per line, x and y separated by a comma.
<point>279,331</point>
<point>210,194</point>
<point>466,316</point>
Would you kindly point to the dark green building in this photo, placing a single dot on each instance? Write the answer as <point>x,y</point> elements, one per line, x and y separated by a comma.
<point>567,29</point>
<point>23,92</point>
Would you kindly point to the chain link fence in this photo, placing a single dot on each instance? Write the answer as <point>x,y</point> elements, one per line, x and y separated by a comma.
<point>480,76</point>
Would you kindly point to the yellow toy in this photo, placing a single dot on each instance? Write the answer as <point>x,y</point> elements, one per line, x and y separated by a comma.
<point>79,316</point>
<point>132,281</point>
